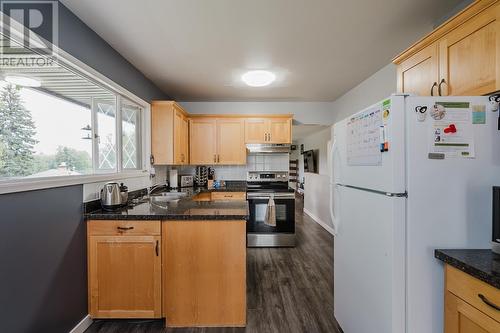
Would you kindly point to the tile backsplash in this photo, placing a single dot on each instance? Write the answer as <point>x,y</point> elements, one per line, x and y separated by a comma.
<point>255,162</point>
<point>268,162</point>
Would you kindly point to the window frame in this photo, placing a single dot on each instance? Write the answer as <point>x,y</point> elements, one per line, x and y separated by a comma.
<point>139,129</point>
<point>78,67</point>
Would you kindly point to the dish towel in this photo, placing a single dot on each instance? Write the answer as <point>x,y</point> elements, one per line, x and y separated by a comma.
<point>270,219</point>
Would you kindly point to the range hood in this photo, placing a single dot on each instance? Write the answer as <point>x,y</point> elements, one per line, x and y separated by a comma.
<point>261,148</point>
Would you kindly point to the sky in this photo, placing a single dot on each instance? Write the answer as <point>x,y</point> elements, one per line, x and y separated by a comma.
<point>59,122</point>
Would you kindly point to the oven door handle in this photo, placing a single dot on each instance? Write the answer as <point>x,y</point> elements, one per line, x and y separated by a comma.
<point>267,197</point>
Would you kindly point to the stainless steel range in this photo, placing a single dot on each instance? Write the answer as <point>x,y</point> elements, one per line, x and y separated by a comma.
<point>261,186</point>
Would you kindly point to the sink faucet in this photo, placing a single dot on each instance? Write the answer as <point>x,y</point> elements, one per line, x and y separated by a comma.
<point>155,186</point>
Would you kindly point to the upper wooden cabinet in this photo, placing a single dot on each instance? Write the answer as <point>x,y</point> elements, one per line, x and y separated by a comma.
<point>461,57</point>
<point>203,141</point>
<point>217,140</point>
<point>169,133</point>
<point>256,130</point>
<point>419,73</point>
<point>468,56</point>
<point>231,141</point>
<point>180,139</point>
<point>268,130</point>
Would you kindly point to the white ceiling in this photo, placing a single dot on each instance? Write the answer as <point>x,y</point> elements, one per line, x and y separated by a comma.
<point>319,49</point>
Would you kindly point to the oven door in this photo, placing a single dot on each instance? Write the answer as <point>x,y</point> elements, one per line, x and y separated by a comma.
<point>285,213</point>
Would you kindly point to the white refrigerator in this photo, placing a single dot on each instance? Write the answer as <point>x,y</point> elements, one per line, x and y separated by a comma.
<point>428,189</point>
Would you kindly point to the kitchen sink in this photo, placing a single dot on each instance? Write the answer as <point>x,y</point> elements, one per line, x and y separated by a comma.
<point>166,197</point>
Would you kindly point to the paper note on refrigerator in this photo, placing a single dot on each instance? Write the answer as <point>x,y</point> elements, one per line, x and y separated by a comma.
<point>363,138</point>
<point>452,134</point>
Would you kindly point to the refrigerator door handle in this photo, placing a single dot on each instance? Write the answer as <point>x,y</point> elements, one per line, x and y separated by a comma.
<point>333,149</point>
<point>335,220</point>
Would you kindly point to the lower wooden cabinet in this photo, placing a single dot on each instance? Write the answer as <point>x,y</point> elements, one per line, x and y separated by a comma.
<point>466,304</point>
<point>205,273</point>
<point>193,273</point>
<point>461,317</point>
<point>124,269</point>
<point>228,196</point>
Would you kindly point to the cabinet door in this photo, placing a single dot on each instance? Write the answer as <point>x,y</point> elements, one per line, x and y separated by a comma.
<point>419,73</point>
<point>162,140</point>
<point>203,141</point>
<point>461,317</point>
<point>256,130</point>
<point>231,141</point>
<point>280,130</point>
<point>469,56</point>
<point>124,276</point>
<point>205,279</point>
<point>179,138</point>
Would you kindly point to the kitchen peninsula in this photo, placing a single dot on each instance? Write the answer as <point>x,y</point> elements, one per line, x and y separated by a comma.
<point>173,256</point>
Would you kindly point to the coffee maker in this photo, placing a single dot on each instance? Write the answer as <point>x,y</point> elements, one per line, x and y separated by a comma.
<point>495,236</point>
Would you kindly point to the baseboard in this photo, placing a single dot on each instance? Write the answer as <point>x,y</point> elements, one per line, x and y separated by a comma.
<point>319,221</point>
<point>82,325</point>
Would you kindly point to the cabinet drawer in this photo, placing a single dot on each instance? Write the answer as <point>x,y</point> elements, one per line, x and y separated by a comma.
<point>469,289</point>
<point>123,228</point>
<point>221,196</point>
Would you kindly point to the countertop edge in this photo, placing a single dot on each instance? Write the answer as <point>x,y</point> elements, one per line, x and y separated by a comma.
<point>467,268</point>
<point>103,217</point>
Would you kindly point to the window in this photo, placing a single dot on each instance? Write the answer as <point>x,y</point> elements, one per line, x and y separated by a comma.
<point>56,122</point>
<point>106,134</point>
<point>131,135</point>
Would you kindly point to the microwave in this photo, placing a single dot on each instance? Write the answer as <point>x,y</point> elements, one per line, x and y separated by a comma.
<point>495,234</point>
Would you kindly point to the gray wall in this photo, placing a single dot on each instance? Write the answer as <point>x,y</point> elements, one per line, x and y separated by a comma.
<point>375,88</point>
<point>83,43</point>
<point>316,186</point>
<point>303,112</point>
<point>43,276</point>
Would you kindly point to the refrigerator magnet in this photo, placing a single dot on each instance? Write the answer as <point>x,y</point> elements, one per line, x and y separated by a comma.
<point>438,112</point>
<point>382,138</point>
<point>421,112</point>
<point>479,114</point>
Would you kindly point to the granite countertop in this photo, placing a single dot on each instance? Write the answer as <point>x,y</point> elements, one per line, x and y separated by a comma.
<point>481,264</point>
<point>183,209</point>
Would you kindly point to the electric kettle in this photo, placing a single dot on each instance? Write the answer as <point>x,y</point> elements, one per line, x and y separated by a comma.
<point>110,196</point>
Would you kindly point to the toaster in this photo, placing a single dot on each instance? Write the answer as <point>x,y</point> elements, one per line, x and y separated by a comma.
<point>186,181</point>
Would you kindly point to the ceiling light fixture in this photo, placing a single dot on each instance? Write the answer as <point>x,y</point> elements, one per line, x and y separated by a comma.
<point>23,81</point>
<point>259,78</point>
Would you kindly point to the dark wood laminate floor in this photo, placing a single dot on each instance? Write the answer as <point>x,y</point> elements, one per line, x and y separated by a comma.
<point>288,289</point>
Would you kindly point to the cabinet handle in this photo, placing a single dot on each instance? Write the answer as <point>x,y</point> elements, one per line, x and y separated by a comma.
<point>157,248</point>
<point>269,136</point>
<point>152,159</point>
<point>218,158</point>
<point>439,87</point>
<point>432,88</point>
<point>215,158</point>
<point>125,228</point>
<point>488,302</point>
